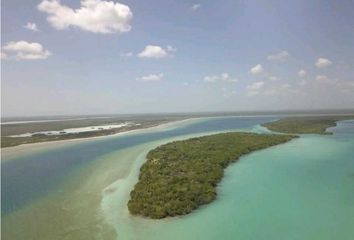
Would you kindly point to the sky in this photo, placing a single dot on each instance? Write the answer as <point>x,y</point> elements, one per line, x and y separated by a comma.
<point>73,57</point>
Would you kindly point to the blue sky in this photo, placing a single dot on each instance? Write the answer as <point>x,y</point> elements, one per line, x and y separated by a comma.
<point>97,57</point>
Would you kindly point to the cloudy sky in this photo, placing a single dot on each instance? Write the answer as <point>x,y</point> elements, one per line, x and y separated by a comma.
<point>134,56</point>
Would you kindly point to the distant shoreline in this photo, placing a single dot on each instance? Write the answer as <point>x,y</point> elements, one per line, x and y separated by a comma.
<point>14,151</point>
<point>49,120</point>
<point>306,125</point>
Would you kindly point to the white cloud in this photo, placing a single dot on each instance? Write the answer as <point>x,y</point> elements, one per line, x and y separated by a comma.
<point>195,7</point>
<point>302,73</point>
<point>26,50</point>
<point>126,54</point>
<point>222,77</point>
<point>151,78</point>
<point>186,84</point>
<point>323,62</point>
<point>95,16</point>
<point>254,88</point>
<point>256,70</point>
<point>279,56</point>
<point>322,78</point>
<point>31,26</point>
<point>153,51</point>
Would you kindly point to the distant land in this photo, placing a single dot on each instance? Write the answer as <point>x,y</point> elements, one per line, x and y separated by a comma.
<point>25,130</point>
<point>306,125</point>
<point>35,131</point>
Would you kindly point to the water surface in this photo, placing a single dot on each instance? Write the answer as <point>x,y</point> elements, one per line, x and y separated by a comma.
<point>303,189</point>
<point>28,177</point>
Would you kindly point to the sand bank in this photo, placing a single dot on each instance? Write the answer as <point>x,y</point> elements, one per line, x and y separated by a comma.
<point>16,151</point>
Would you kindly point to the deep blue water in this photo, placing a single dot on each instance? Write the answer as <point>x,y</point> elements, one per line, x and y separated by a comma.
<point>28,177</point>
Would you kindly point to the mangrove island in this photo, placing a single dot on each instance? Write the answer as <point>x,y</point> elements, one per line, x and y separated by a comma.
<point>180,176</point>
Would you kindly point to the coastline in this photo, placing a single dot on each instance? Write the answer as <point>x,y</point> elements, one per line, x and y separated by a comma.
<point>8,153</point>
<point>15,151</point>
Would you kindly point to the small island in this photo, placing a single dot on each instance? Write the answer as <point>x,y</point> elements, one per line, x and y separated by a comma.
<point>303,125</point>
<point>180,176</point>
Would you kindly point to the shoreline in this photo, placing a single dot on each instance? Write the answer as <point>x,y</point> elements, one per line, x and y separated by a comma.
<point>15,151</point>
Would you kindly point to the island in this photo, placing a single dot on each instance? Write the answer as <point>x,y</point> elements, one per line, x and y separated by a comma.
<point>180,176</point>
<point>304,125</point>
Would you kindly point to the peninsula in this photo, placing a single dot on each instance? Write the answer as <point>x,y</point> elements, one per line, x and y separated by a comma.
<point>180,176</point>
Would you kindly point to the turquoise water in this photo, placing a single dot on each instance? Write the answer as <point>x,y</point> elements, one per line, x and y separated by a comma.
<point>28,177</point>
<point>300,190</point>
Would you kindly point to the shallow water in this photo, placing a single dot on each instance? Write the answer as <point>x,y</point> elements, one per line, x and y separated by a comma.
<point>300,190</point>
<point>29,177</point>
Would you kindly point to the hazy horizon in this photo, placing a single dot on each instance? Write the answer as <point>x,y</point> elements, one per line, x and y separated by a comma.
<point>234,113</point>
<point>84,57</point>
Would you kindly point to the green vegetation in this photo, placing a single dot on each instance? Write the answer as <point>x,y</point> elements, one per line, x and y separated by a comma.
<point>180,176</point>
<point>300,125</point>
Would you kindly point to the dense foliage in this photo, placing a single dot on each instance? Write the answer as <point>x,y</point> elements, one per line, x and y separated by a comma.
<point>301,125</point>
<point>180,176</point>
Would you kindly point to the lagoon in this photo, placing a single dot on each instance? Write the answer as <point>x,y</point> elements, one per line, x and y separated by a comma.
<point>300,190</point>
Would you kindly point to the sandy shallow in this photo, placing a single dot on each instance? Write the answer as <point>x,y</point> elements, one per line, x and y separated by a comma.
<point>113,207</point>
<point>85,206</point>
